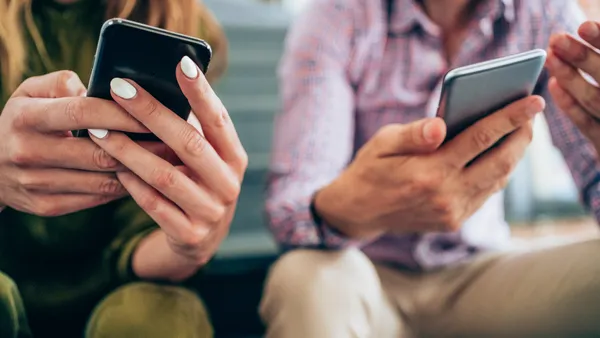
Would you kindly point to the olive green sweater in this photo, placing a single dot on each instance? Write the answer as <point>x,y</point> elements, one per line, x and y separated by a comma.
<point>72,260</point>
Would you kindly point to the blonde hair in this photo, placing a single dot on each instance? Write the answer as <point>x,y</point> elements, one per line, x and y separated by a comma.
<point>16,18</point>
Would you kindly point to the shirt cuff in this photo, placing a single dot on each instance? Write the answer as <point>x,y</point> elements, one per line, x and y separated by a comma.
<point>331,237</point>
<point>125,271</point>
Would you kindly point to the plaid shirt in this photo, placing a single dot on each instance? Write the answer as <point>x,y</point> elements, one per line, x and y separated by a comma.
<point>346,73</point>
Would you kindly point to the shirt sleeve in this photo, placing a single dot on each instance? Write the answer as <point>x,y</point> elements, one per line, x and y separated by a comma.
<point>580,155</point>
<point>135,225</point>
<point>314,133</point>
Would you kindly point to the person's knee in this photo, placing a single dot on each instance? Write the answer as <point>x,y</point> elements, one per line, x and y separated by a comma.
<point>12,314</point>
<point>310,277</point>
<point>150,310</point>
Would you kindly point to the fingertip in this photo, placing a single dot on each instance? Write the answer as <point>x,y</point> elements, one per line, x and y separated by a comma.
<point>434,131</point>
<point>537,101</point>
<point>589,30</point>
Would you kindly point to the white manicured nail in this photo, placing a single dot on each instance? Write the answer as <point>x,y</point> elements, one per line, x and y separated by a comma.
<point>122,88</point>
<point>189,68</point>
<point>99,133</point>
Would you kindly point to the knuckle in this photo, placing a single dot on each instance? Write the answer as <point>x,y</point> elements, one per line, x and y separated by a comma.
<point>591,100</point>
<point>61,87</point>
<point>223,117</point>
<point>162,178</point>
<point>45,208</point>
<point>483,138</point>
<point>502,183</point>
<point>150,203</point>
<point>75,111</point>
<point>21,114</point>
<point>386,131</point>
<point>111,186</point>
<point>103,160</point>
<point>192,239</point>
<point>215,214</point>
<point>242,160</point>
<point>202,259</point>
<point>150,107</point>
<point>505,167</point>
<point>231,193</point>
<point>19,152</point>
<point>27,181</point>
<point>428,183</point>
<point>445,208</point>
<point>195,144</point>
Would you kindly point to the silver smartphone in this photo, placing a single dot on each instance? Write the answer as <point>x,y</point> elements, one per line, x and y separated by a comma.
<point>473,92</point>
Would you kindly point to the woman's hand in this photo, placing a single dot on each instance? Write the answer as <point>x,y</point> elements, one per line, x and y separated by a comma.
<point>46,171</point>
<point>193,203</point>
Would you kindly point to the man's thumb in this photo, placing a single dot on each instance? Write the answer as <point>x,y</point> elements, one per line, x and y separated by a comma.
<point>418,137</point>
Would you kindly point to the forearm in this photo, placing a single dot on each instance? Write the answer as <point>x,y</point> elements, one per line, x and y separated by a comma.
<point>153,259</point>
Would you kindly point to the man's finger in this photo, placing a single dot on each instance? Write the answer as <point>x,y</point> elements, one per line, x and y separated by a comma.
<point>61,181</point>
<point>53,85</point>
<point>213,116</point>
<point>576,54</point>
<point>419,137</point>
<point>485,133</point>
<point>590,32</point>
<point>587,124</point>
<point>74,113</point>
<point>490,172</point>
<point>569,78</point>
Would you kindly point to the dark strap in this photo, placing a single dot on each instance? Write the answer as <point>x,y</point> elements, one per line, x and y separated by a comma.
<point>389,7</point>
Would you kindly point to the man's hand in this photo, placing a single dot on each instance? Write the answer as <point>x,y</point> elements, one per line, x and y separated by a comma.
<point>193,203</point>
<point>46,171</point>
<point>403,181</point>
<point>573,93</point>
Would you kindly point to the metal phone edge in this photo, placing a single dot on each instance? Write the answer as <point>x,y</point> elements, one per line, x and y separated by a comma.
<point>494,64</point>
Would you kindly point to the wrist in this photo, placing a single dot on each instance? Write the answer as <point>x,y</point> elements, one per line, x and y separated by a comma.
<point>154,258</point>
<point>333,207</point>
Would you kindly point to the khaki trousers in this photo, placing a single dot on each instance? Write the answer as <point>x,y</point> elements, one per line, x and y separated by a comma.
<point>554,292</point>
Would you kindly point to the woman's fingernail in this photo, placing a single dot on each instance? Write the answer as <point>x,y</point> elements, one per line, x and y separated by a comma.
<point>189,68</point>
<point>98,133</point>
<point>122,88</point>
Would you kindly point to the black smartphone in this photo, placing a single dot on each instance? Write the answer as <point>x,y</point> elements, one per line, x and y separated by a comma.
<point>148,56</point>
<point>473,92</point>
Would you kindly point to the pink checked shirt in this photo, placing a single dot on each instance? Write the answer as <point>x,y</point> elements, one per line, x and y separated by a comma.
<point>345,74</point>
